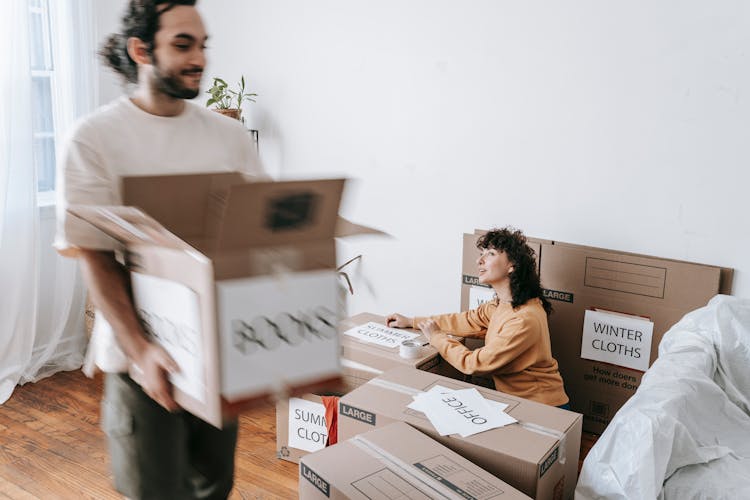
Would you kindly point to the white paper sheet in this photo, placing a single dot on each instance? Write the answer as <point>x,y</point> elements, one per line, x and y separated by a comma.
<point>463,411</point>
<point>171,315</point>
<point>375,333</point>
<point>619,339</point>
<point>307,425</point>
<point>478,295</point>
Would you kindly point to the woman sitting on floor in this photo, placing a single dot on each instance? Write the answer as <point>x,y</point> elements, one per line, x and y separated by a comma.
<point>517,351</point>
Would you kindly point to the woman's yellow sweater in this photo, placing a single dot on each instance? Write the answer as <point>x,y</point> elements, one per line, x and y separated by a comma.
<point>516,352</point>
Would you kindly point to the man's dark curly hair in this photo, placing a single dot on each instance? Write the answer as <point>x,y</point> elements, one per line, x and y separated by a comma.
<point>141,20</point>
<point>524,280</point>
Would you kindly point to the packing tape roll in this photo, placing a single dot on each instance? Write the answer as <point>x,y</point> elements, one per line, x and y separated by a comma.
<point>409,349</point>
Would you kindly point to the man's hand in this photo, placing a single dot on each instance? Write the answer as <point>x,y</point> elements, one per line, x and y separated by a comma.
<point>152,368</point>
<point>396,320</point>
<point>109,285</point>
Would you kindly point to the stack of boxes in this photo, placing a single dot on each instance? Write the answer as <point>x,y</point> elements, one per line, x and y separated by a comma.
<point>361,361</point>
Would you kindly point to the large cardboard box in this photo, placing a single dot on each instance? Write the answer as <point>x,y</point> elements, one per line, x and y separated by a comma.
<point>235,279</point>
<point>301,427</point>
<point>578,279</point>
<point>297,432</point>
<point>396,462</point>
<point>363,361</point>
<point>538,455</point>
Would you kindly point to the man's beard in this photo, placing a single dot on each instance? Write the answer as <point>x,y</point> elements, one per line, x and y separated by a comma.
<point>169,84</point>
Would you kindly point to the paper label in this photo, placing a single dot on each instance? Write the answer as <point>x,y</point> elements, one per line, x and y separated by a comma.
<point>170,315</point>
<point>479,295</point>
<point>277,330</point>
<point>463,412</point>
<point>618,339</point>
<point>307,425</point>
<point>375,333</point>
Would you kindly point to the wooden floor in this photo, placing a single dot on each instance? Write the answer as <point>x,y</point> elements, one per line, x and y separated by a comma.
<point>51,446</point>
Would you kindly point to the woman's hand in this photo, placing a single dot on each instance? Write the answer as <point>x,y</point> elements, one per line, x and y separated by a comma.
<point>396,320</point>
<point>429,328</point>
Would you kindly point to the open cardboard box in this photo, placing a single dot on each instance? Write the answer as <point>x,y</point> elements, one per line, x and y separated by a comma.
<point>236,279</point>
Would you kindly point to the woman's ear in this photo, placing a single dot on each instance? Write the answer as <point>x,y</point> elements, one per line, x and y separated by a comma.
<point>138,51</point>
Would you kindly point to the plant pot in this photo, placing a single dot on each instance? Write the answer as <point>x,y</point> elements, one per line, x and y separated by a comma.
<point>231,113</point>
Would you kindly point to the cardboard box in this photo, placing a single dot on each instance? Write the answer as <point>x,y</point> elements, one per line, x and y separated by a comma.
<point>396,462</point>
<point>538,455</point>
<point>236,279</point>
<point>578,279</point>
<point>301,427</point>
<point>363,361</point>
<point>360,363</point>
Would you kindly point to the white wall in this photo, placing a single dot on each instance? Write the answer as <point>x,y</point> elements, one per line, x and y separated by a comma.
<point>616,124</point>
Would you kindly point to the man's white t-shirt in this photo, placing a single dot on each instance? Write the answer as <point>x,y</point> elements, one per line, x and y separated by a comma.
<point>120,140</point>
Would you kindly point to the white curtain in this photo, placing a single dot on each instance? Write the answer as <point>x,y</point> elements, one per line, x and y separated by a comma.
<point>41,293</point>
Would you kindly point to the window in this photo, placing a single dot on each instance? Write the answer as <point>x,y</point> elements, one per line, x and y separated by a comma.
<point>42,82</point>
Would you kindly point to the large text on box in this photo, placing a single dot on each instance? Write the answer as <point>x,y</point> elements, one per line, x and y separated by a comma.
<point>307,425</point>
<point>617,339</point>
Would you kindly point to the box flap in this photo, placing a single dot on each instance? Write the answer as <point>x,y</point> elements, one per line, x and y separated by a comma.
<point>278,213</point>
<point>185,203</point>
<point>128,225</point>
<point>345,227</point>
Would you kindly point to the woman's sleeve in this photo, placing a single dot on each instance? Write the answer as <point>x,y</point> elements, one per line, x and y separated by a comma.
<point>472,323</point>
<point>517,336</point>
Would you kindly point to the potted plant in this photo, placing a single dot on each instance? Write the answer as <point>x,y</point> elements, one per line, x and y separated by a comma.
<point>228,101</point>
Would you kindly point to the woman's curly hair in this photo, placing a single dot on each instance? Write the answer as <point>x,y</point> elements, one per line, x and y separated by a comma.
<point>140,20</point>
<point>524,280</point>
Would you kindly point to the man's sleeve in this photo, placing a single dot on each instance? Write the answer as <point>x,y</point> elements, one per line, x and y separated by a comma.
<point>464,324</point>
<point>82,179</point>
<point>518,335</point>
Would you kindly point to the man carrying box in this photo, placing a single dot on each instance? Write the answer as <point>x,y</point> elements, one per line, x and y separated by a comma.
<point>157,450</point>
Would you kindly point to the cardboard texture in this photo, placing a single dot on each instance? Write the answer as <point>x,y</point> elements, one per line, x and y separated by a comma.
<point>396,462</point>
<point>577,278</point>
<point>253,263</point>
<point>364,361</point>
<point>360,362</point>
<point>538,455</point>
